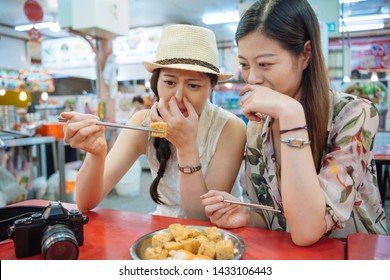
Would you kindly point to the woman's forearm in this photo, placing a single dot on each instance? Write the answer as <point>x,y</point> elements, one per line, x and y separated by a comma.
<point>303,198</point>
<point>192,186</point>
<point>256,219</point>
<point>89,184</point>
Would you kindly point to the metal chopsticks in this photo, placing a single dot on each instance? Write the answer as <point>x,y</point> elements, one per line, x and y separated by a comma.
<point>119,125</point>
<point>258,206</point>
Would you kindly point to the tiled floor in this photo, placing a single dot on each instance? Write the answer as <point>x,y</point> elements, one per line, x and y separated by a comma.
<point>143,203</point>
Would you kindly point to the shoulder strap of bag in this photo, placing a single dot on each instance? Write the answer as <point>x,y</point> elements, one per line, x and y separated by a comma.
<point>9,214</point>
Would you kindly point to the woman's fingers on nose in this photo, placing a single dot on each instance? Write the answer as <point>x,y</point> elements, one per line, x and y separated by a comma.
<point>162,108</point>
<point>154,113</point>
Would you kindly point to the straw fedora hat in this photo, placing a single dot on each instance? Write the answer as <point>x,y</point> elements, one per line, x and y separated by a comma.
<point>187,47</point>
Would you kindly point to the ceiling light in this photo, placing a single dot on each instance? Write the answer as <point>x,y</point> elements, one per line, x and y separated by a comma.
<point>22,96</point>
<point>42,25</point>
<point>346,79</point>
<point>220,18</point>
<point>24,27</point>
<point>361,27</point>
<point>229,85</point>
<point>374,77</point>
<point>44,96</point>
<point>366,18</point>
<point>53,26</point>
<point>2,92</point>
<point>350,1</point>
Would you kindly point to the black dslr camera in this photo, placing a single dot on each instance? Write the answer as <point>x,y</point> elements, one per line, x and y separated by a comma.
<point>55,232</point>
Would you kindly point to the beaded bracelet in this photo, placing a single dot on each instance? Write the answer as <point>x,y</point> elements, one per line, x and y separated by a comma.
<point>305,127</point>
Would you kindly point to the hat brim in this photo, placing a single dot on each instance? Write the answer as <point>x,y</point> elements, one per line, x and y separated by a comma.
<point>151,66</point>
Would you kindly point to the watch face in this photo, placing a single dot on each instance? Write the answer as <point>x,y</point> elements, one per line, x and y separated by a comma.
<point>186,169</point>
<point>296,142</point>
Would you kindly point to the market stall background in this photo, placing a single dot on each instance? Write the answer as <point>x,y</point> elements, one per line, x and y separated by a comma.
<point>58,70</point>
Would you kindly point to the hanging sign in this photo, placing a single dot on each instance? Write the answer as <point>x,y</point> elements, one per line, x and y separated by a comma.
<point>34,34</point>
<point>33,11</point>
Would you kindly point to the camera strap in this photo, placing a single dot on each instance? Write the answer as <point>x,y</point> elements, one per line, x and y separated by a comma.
<point>9,214</point>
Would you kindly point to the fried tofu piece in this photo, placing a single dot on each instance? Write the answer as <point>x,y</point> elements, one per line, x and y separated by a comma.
<point>202,238</point>
<point>224,249</point>
<point>207,249</point>
<point>172,245</point>
<point>162,128</point>
<point>201,257</point>
<point>195,232</point>
<point>179,232</point>
<point>213,234</point>
<point>173,228</point>
<point>155,253</point>
<point>192,245</point>
<point>161,239</point>
<point>185,255</point>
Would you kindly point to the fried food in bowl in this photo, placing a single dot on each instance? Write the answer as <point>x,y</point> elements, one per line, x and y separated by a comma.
<point>181,242</point>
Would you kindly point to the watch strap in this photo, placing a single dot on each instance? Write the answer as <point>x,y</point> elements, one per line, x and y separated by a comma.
<point>189,169</point>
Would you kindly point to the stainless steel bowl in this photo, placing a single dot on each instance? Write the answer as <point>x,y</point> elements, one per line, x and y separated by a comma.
<point>138,248</point>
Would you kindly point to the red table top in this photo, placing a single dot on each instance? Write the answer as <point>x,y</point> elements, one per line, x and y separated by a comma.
<point>382,152</point>
<point>362,246</point>
<point>109,234</point>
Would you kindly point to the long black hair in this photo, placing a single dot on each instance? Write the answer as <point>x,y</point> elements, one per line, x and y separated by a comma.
<point>162,145</point>
<point>292,23</point>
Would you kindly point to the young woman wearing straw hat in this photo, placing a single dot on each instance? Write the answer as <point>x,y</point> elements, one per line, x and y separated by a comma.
<point>204,145</point>
<point>308,148</point>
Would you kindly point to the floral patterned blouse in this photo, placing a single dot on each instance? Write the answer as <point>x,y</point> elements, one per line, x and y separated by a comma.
<point>347,175</point>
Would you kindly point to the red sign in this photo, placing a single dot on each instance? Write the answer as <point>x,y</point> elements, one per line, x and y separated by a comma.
<point>33,11</point>
<point>34,34</point>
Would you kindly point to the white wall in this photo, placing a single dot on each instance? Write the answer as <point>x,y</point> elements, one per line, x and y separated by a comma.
<point>13,54</point>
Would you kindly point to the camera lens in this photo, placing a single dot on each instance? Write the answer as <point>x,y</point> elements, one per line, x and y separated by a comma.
<point>59,243</point>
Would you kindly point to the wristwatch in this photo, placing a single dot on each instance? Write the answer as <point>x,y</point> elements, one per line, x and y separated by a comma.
<point>189,169</point>
<point>295,142</point>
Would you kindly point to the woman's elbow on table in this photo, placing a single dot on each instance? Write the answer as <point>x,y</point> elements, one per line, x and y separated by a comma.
<point>84,206</point>
<point>305,239</point>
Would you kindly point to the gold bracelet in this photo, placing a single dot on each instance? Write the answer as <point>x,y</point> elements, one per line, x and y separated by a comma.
<point>295,142</point>
<point>189,169</point>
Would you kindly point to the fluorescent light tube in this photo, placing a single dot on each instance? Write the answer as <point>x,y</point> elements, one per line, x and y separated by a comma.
<point>24,27</point>
<point>361,27</point>
<point>366,18</point>
<point>350,1</point>
<point>220,18</point>
<point>52,25</point>
<point>374,77</point>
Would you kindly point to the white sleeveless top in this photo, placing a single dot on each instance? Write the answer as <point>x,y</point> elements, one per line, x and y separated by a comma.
<point>211,122</point>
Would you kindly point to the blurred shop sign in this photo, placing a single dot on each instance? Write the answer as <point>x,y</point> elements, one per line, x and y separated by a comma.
<point>140,44</point>
<point>69,52</point>
<point>372,56</point>
<point>31,80</point>
<point>367,54</point>
<point>97,18</point>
